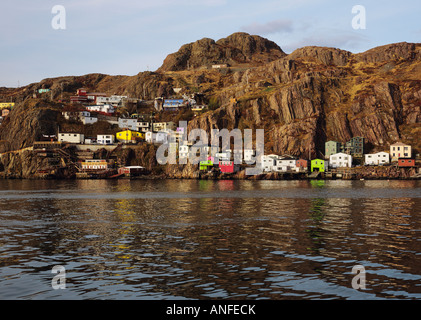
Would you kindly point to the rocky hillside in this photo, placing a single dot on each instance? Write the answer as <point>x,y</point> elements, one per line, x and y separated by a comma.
<point>317,94</point>
<point>239,48</point>
<point>28,122</point>
<point>302,99</point>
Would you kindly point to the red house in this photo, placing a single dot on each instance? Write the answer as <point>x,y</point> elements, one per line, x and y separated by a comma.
<point>81,92</point>
<point>132,170</point>
<point>78,99</point>
<point>227,166</point>
<point>406,162</point>
<point>301,163</point>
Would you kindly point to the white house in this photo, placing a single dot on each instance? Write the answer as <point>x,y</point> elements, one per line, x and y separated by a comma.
<point>249,154</point>
<point>130,124</point>
<point>106,108</point>
<point>378,158</point>
<point>340,160</point>
<point>88,120</point>
<point>113,100</point>
<point>156,137</point>
<point>400,150</point>
<point>183,151</point>
<point>269,162</point>
<point>142,126</point>
<point>164,126</point>
<point>224,156</point>
<point>284,164</point>
<point>75,115</point>
<point>71,138</point>
<point>105,139</point>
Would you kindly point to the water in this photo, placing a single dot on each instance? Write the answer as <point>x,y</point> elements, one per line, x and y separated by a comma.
<point>189,239</point>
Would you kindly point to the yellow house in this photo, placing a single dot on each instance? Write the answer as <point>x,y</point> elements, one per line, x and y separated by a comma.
<point>129,136</point>
<point>400,150</point>
<point>4,105</point>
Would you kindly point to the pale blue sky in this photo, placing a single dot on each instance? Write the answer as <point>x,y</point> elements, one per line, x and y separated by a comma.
<point>126,37</point>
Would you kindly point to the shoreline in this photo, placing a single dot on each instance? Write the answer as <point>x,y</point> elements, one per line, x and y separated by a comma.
<point>261,177</point>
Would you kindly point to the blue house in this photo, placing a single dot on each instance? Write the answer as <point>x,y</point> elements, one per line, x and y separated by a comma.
<point>173,104</point>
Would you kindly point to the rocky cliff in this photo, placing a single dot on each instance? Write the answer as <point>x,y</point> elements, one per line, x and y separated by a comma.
<point>239,48</point>
<point>28,122</point>
<point>318,94</point>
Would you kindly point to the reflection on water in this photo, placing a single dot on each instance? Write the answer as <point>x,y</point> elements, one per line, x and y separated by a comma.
<point>192,239</point>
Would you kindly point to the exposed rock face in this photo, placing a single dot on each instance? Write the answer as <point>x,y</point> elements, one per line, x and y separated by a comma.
<point>27,123</point>
<point>390,52</point>
<point>21,165</point>
<point>236,49</point>
<point>327,56</point>
<point>319,94</point>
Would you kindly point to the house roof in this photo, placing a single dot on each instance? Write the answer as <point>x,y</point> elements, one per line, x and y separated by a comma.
<point>340,153</point>
<point>399,144</point>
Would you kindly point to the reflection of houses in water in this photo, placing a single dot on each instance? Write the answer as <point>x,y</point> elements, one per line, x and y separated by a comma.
<point>337,218</point>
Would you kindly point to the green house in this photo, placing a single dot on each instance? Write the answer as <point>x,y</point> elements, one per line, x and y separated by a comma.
<point>205,165</point>
<point>319,164</point>
<point>332,147</point>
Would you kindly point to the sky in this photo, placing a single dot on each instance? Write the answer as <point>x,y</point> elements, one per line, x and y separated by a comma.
<point>126,37</point>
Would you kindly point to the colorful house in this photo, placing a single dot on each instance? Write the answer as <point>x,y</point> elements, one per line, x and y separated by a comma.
<point>302,164</point>
<point>5,105</point>
<point>95,165</point>
<point>228,166</point>
<point>173,104</point>
<point>332,147</point>
<point>132,170</point>
<point>319,165</point>
<point>206,165</point>
<point>400,150</point>
<point>5,113</point>
<point>355,146</point>
<point>129,136</point>
<point>406,163</point>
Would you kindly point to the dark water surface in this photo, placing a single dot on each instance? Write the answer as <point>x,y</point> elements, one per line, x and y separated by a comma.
<point>189,239</point>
